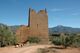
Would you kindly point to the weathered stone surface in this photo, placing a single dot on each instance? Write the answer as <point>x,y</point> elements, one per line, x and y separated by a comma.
<point>37,26</point>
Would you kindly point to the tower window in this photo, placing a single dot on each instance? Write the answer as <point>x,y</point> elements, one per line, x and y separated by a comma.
<point>37,25</point>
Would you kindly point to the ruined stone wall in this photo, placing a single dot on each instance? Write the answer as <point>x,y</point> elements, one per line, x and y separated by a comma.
<point>22,34</point>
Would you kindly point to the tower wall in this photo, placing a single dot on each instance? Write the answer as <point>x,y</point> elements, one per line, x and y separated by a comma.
<point>39,24</point>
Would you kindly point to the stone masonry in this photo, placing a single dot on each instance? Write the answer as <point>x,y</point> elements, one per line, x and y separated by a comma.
<point>37,26</point>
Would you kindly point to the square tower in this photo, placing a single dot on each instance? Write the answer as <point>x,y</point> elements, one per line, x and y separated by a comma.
<point>38,23</point>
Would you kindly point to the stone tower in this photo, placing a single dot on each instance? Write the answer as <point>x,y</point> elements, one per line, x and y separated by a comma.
<point>37,25</point>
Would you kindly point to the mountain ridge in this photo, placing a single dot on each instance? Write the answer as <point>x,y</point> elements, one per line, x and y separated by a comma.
<point>63,29</point>
<point>56,29</point>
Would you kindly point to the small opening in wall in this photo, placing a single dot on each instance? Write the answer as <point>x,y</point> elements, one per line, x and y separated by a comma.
<point>37,25</point>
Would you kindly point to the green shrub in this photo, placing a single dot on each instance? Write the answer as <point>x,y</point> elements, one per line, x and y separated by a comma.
<point>56,40</point>
<point>64,40</point>
<point>76,41</point>
<point>34,39</point>
<point>6,36</point>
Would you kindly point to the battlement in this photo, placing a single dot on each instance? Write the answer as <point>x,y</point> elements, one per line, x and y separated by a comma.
<point>42,12</point>
<point>32,10</point>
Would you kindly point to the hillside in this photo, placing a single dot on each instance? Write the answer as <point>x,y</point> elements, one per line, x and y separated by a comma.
<point>14,28</point>
<point>56,29</point>
<point>63,29</point>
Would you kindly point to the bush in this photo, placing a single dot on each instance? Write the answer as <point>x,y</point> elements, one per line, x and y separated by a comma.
<point>56,40</point>
<point>76,41</point>
<point>34,39</point>
<point>65,40</point>
<point>6,36</point>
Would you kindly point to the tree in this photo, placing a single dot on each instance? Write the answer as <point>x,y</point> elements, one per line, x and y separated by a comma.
<point>6,36</point>
<point>65,40</point>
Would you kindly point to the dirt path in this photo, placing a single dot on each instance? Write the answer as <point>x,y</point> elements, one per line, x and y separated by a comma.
<point>33,49</point>
<point>26,49</point>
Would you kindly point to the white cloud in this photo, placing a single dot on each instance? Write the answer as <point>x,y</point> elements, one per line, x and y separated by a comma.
<point>55,10</point>
<point>75,13</point>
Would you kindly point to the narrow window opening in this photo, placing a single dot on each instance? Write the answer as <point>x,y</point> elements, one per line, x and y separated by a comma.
<point>37,25</point>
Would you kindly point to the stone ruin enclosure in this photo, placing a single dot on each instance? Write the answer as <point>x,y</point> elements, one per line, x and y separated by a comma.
<point>37,27</point>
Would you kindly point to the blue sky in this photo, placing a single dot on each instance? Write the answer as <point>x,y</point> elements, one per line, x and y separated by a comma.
<point>60,12</point>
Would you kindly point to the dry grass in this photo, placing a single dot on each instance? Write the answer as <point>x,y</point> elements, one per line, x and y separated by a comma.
<point>58,50</point>
<point>46,50</point>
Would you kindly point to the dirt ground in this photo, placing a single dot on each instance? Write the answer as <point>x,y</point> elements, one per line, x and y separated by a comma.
<point>33,49</point>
